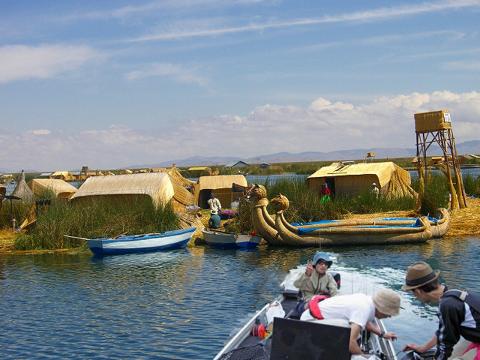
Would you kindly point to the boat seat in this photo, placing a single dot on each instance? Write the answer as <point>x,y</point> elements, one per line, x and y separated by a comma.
<point>291,294</point>
<point>293,339</point>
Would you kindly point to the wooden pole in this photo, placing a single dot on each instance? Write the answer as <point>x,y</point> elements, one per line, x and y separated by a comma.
<point>462,198</point>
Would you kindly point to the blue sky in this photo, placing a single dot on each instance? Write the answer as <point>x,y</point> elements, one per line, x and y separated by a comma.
<point>113,83</point>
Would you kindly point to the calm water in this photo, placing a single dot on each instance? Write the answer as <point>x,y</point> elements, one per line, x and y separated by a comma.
<point>184,304</point>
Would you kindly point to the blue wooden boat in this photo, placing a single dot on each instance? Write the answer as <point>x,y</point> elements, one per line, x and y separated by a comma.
<point>126,244</point>
<point>226,240</point>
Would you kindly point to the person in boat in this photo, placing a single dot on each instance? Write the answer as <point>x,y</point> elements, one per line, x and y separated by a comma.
<point>356,311</point>
<point>316,280</point>
<point>215,221</point>
<point>458,334</point>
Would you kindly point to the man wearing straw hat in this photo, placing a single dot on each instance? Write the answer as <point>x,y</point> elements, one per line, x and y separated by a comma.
<point>458,334</point>
<point>356,311</point>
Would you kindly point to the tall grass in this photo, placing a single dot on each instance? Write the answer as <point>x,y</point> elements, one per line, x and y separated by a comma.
<point>436,193</point>
<point>95,219</point>
<point>306,205</point>
<point>471,184</point>
<point>12,209</point>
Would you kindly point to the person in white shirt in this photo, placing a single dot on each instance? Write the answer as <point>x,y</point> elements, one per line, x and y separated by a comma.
<point>375,190</point>
<point>214,203</point>
<point>359,310</point>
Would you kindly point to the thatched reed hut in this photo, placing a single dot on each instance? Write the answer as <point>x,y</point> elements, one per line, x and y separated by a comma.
<point>22,190</point>
<point>351,179</point>
<point>60,188</point>
<point>156,186</point>
<point>222,186</point>
<point>183,189</point>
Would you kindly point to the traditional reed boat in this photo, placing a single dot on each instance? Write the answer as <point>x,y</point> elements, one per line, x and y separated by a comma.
<point>283,233</point>
<point>440,223</point>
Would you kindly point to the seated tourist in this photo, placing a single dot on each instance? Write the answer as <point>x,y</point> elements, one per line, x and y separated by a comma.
<point>315,281</point>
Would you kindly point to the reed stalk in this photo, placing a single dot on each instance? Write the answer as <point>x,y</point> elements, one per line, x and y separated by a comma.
<point>99,218</point>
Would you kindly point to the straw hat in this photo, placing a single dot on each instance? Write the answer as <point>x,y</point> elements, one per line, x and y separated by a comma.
<point>419,274</point>
<point>387,302</point>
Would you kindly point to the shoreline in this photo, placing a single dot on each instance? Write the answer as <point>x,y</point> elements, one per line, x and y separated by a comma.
<point>463,223</point>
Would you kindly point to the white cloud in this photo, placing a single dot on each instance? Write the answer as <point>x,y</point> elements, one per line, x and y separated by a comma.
<point>378,14</point>
<point>176,72</point>
<point>149,8</point>
<point>20,62</point>
<point>462,65</point>
<point>41,132</point>
<point>324,125</point>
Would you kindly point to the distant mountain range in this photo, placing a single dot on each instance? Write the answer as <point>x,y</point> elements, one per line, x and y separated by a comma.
<point>468,147</point>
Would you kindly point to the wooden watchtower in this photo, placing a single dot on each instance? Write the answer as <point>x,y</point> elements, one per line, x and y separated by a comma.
<point>436,127</point>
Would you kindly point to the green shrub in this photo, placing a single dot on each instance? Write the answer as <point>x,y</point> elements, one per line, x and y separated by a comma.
<point>436,194</point>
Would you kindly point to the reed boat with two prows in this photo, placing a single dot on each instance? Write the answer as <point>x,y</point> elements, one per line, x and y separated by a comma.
<point>439,223</point>
<point>277,231</point>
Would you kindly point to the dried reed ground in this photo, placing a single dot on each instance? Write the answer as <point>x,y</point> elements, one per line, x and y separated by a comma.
<point>466,222</point>
<point>7,238</point>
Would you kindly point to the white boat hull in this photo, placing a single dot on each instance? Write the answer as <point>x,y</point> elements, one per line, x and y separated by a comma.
<point>141,243</point>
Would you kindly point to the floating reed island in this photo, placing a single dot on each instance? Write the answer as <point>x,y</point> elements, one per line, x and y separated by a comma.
<point>297,215</point>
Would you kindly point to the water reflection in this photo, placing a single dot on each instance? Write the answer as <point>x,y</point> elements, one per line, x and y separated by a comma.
<point>183,304</point>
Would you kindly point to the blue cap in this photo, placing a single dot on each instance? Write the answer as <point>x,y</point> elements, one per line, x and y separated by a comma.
<point>322,256</point>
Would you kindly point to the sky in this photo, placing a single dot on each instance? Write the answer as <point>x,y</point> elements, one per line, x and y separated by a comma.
<point>110,84</point>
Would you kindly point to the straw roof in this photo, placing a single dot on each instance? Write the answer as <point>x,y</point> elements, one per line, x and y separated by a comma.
<point>351,178</point>
<point>382,170</point>
<point>22,190</point>
<point>155,185</point>
<point>199,168</point>
<point>60,188</point>
<point>64,175</point>
<point>220,181</point>
<point>183,188</point>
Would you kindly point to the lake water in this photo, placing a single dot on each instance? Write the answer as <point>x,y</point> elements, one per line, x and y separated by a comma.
<point>184,304</point>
